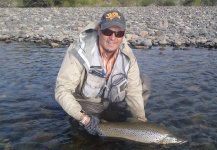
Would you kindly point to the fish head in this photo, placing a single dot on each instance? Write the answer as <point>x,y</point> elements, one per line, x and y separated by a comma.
<point>171,139</point>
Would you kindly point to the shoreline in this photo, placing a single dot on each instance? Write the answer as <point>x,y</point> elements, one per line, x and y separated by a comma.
<point>146,26</point>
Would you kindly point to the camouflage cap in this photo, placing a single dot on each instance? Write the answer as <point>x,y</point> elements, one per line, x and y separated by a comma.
<point>112,18</point>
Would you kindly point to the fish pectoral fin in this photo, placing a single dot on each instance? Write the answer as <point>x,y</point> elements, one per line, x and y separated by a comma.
<point>161,124</point>
<point>103,121</point>
<point>130,119</point>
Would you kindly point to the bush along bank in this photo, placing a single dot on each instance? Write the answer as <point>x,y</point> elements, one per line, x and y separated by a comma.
<point>146,26</point>
<point>103,3</point>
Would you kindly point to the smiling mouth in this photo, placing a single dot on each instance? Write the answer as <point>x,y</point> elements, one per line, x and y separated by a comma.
<point>111,43</point>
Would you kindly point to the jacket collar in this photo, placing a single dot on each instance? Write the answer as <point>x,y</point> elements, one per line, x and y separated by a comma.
<point>125,49</point>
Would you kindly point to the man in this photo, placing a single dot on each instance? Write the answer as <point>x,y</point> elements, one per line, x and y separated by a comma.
<point>99,69</point>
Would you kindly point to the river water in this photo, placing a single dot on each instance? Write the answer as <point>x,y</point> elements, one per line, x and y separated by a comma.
<point>184,99</point>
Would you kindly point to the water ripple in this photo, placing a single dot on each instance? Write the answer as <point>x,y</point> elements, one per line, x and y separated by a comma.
<point>183,98</point>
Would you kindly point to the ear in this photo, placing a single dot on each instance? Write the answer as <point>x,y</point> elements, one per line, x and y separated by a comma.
<point>99,31</point>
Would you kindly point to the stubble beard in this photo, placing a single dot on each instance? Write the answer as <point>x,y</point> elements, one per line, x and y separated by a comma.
<point>109,51</point>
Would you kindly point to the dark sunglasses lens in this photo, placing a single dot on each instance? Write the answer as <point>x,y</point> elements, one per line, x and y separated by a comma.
<point>108,32</point>
<point>119,34</point>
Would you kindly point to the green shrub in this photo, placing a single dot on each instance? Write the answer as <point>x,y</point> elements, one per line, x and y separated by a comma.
<point>20,3</point>
<point>199,2</point>
<point>196,3</point>
<point>186,2</point>
<point>68,3</point>
<point>103,3</point>
<point>209,2</point>
<point>166,2</point>
<point>8,3</point>
<point>169,3</point>
<point>110,3</point>
<point>36,3</point>
<point>81,3</point>
<point>146,2</point>
<point>125,3</point>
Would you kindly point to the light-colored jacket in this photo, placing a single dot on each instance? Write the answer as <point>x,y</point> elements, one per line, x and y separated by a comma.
<point>72,75</point>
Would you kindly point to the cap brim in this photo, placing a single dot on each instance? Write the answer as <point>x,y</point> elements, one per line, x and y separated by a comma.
<point>109,24</point>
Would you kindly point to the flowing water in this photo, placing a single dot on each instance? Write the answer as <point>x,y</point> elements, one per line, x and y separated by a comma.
<point>184,99</point>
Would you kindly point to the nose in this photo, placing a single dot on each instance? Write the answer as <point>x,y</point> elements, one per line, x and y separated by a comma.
<point>112,37</point>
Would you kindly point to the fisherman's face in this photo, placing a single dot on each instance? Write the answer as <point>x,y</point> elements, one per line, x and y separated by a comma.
<point>111,41</point>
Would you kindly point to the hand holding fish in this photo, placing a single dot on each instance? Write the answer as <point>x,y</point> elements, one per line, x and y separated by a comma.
<point>142,119</point>
<point>93,126</point>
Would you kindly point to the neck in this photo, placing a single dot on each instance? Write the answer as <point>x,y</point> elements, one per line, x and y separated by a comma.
<point>109,54</point>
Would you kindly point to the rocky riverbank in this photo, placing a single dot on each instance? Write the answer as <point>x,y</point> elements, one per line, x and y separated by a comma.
<point>146,26</point>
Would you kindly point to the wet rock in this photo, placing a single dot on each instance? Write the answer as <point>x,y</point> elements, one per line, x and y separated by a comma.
<point>162,48</point>
<point>4,37</point>
<point>147,42</point>
<point>163,42</point>
<point>8,41</point>
<point>43,136</point>
<point>139,47</point>
<point>201,40</point>
<point>178,43</point>
<point>54,45</point>
<point>215,40</point>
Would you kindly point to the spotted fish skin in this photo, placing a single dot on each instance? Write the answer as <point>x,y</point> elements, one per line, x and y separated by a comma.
<point>144,132</point>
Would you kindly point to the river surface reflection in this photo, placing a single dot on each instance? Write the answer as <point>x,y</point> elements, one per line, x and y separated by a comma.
<point>184,99</point>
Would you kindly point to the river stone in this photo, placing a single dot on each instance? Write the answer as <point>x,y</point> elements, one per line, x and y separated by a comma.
<point>54,45</point>
<point>143,33</point>
<point>147,42</point>
<point>58,24</point>
<point>163,42</point>
<point>215,40</point>
<point>4,37</point>
<point>178,42</point>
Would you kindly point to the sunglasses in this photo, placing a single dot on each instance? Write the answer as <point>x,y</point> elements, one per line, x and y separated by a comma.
<point>108,32</point>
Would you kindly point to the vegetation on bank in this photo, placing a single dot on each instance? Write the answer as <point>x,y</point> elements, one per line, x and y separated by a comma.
<point>103,3</point>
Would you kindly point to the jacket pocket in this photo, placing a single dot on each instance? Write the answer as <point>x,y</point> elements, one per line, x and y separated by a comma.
<point>93,86</point>
<point>117,92</point>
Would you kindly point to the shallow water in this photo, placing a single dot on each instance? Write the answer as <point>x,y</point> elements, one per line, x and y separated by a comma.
<point>184,99</point>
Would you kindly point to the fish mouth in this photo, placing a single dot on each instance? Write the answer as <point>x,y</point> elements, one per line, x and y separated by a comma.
<point>174,140</point>
<point>181,141</point>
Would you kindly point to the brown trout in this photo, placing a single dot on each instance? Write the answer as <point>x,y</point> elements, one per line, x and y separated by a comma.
<point>144,132</point>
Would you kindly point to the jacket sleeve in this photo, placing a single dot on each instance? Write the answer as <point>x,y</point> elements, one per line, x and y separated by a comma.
<point>67,80</point>
<point>134,97</point>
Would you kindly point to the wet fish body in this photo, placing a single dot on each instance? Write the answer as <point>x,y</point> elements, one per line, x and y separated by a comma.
<point>144,132</point>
